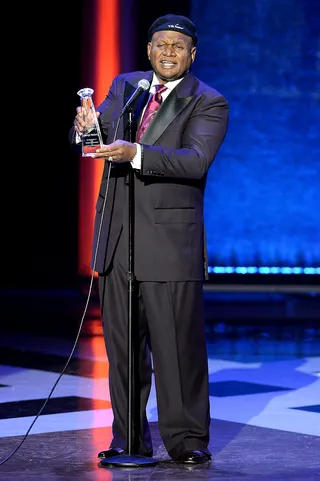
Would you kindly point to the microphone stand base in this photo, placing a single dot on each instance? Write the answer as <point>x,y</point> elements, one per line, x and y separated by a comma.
<point>128,461</point>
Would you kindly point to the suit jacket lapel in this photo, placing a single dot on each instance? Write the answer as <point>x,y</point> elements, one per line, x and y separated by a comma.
<point>178,99</point>
<point>138,106</point>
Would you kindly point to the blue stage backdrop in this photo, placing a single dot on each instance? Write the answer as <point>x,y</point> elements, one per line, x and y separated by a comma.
<point>263,194</point>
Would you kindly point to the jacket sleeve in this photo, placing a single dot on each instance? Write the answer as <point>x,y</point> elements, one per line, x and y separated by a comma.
<point>202,136</point>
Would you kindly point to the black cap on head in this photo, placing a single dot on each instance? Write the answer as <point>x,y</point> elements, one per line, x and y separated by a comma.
<point>176,23</point>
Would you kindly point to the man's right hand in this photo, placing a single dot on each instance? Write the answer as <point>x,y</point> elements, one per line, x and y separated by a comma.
<point>83,119</point>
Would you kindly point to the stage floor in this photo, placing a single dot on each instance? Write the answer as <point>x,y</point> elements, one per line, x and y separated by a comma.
<point>264,395</point>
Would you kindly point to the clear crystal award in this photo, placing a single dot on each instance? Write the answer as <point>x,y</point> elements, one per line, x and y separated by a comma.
<point>91,137</point>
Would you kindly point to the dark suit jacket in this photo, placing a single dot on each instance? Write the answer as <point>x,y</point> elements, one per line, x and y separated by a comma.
<point>177,151</point>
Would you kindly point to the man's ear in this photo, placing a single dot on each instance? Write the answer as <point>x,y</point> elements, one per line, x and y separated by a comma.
<point>193,53</point>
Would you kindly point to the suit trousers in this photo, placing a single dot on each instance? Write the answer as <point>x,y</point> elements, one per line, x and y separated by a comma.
<point>169,340</point>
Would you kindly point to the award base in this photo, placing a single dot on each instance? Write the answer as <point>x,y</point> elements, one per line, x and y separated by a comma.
<point>89,151</point>
<point>91,142</point>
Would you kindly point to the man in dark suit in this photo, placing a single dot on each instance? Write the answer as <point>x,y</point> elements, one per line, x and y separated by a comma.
<point>170,159</point>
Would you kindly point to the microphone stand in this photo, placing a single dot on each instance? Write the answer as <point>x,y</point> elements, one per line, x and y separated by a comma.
<point>131,459</point>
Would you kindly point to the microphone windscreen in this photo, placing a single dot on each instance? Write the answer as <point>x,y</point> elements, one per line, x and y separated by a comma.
<point>144,84</point>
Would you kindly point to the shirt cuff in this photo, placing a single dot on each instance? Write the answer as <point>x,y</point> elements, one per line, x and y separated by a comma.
<point>136,161</point>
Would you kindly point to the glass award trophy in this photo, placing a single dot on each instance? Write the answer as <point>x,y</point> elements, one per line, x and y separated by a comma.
<point>91,137</point>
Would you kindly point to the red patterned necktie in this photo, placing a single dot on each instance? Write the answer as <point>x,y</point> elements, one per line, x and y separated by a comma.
<point>150,111</point>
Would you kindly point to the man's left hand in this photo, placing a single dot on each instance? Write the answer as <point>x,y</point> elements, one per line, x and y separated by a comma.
<point>118,151</point>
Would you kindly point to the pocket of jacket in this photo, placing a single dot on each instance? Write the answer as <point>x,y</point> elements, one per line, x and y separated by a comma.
<point>175,216</point>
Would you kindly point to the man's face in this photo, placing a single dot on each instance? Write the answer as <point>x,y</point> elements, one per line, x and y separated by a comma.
<point>171,54</point>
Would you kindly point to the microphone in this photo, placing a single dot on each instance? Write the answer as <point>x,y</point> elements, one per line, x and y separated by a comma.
<point>143,84</point>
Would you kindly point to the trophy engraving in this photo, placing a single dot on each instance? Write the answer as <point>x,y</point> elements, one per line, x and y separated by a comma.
<point>91,136</point>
